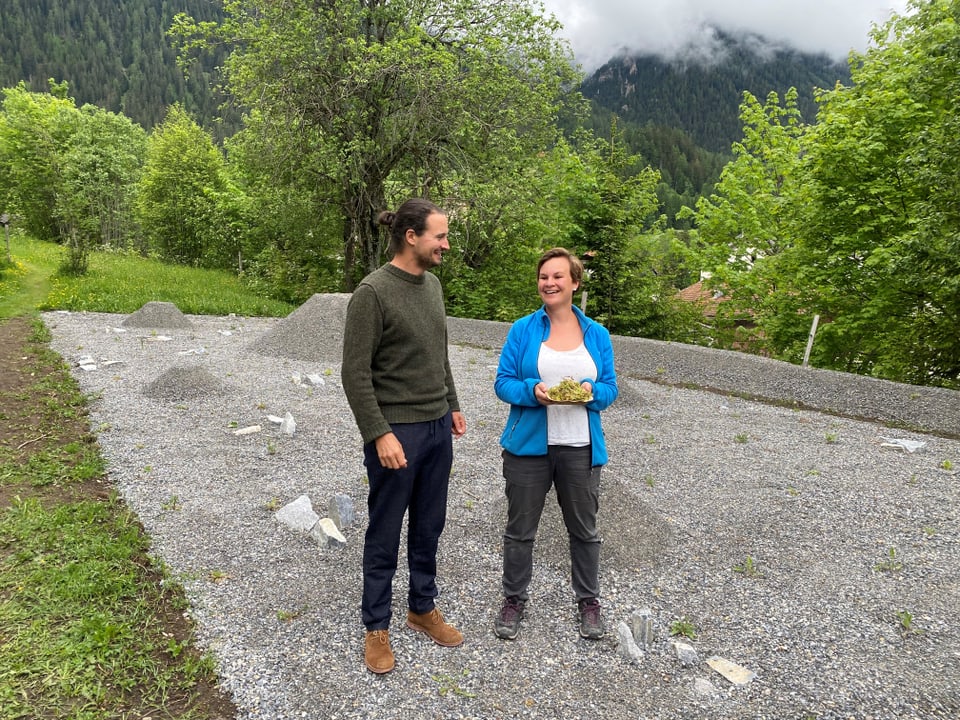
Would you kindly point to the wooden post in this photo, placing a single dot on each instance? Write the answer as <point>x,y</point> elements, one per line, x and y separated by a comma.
<point>813,332</point>
<point>5,221</point>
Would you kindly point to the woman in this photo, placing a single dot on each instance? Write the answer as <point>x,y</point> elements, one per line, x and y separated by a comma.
<point>546,443</point>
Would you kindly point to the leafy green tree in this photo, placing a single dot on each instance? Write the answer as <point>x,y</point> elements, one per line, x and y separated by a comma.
<point>602,197</point>
<point>879,240</point>
<point>69,171</point>
<point>366,103</point>
<point>747,226</point>
<point>34,130</point>
<point>187,206</point>
<point>100,167</point>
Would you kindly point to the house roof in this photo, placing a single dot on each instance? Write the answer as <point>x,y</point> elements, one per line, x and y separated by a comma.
<point>707,298</point>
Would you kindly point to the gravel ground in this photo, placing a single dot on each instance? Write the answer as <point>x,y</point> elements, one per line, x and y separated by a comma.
<point>791,540</point>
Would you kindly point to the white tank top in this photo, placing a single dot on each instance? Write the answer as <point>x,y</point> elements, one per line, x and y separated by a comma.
<point>566,424</point>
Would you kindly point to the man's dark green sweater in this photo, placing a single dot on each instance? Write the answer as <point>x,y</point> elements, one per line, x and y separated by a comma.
<point>395,364</point>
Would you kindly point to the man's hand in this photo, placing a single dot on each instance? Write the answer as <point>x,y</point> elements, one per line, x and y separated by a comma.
<point>390,452</point>
<point>459,423</point>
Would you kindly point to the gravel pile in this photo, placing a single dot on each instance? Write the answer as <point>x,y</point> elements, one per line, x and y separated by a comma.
<point>157,314</point>
<point>796,544</point>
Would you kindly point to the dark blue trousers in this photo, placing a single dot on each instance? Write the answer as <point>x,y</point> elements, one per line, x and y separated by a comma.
<point>419,490</point>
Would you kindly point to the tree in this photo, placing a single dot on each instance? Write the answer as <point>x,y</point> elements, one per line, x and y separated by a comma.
<point>187,206</point>
<point>880,238</point>
<point>69,171</point>
<point>34,130</point>
<point>747,226</point>
<point>100,167</point>
<point>608,197</point>
<point>368,102</point>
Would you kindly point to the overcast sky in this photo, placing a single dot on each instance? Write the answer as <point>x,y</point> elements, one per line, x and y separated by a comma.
<point>599,29</point>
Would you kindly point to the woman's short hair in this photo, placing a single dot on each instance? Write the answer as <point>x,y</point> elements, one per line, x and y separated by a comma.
<point>576,267</point>
<point>412,215</point>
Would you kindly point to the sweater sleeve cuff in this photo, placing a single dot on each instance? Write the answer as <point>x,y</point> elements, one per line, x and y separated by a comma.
<point>372,432</point>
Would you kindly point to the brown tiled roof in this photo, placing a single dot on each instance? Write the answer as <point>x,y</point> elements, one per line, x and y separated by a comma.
<point>708,299</point>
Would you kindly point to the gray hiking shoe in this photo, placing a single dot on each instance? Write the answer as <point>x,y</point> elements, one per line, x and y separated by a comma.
<point>507,625</point>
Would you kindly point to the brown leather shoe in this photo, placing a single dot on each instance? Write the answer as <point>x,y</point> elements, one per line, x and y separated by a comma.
<point>377,653</point>
<point>433,624</point>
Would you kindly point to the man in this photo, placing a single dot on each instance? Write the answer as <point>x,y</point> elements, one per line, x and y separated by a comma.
<point>397,379</point>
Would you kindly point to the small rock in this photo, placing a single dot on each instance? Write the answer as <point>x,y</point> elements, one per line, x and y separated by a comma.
<point>249,430</point>
<point>641,624</point>
<point>686,655</point>
<point>629,649</point>
<point>704,688</point>
<point>327,535</point>
<point>736,674</point>
<point>341,511</point>
<point>298,515</point>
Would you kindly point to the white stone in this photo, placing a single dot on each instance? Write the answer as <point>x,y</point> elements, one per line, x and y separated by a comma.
<point>902,444</point>
<point>249,430</point>
<point>298,515</point>
<point>629,650</point>
<point>289,425</point>
<point>704,688</point>
<point>736,674</point>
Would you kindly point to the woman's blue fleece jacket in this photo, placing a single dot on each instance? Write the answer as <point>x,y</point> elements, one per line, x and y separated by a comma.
<point>518,374</point>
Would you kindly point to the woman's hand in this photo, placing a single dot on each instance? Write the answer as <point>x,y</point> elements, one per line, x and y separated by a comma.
<point>540,393</point>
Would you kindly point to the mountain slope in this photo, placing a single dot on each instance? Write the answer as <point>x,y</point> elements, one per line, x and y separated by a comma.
<point>111,54</point>
<point>701,95</point>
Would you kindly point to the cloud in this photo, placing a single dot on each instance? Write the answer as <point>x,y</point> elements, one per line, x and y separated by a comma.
<point>599,29</point>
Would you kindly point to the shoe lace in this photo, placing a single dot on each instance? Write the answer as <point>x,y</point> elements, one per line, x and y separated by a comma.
<point>590,611</point>
<point>511,610</point>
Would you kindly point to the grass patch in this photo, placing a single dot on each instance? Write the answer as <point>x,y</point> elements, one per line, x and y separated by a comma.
<point>118,282</point>
<point>79,616</point>
<point>25,283</point>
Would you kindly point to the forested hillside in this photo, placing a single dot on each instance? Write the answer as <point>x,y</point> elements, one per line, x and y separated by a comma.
<point>112,54</point>
<point>702,96</point>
